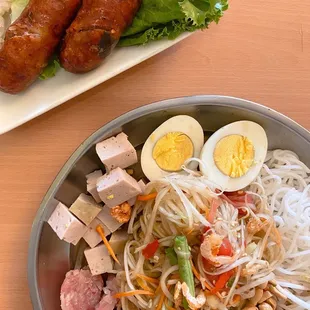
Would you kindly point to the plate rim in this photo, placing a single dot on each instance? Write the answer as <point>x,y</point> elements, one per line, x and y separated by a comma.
<point>158,47</point>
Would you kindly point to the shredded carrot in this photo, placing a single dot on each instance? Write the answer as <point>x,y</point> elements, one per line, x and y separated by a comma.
<point>158,290</point>
<point>147,197</point>
<point>100,231</point>
<point>144,285</point>
<point>190,231</point>
<point>161,301</point>
<point>148,279</point>
<point>222,281</point>
<point>198,276</point>
<point>132,293</point>
<point>167,306</point>
<point>207,213</point>
<point>175,277</point>
<point>195,272</point>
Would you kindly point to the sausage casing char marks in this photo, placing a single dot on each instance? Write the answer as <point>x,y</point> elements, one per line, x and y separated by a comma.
<point>31,40</point>
<point>95,32</point>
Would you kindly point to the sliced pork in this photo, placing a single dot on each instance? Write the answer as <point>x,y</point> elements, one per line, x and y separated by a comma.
<point>80,290</point>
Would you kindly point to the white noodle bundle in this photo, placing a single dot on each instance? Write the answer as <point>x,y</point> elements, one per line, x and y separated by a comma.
<point>285,182</point>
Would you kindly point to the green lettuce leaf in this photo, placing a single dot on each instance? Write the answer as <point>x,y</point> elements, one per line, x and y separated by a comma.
<point>153,13</point>
<point>201,12</point>
<point>159,19</point>
<point>51,69</point>
<point>170,30</point>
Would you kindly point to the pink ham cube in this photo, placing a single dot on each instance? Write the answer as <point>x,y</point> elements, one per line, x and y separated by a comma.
<point>117,187</point>
<point>91,184</point>
<point>132,201</point>
<point>91,236</point>
<point>108,220</point>
<point>117,152</point>
<point>66,225</point>
<point>99,260</point>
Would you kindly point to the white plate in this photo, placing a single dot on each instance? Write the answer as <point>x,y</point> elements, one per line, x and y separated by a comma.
<point>43,96</point>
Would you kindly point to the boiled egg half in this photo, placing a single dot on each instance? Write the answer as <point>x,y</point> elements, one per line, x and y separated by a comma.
<point>233,156</point>
<point>170,145</point>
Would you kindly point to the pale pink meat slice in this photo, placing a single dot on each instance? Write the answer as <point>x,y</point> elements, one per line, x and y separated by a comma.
<point>80,290</point>
<point>108,302</point>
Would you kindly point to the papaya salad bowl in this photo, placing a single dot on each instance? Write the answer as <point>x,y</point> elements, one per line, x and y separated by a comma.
<point>190,203</point>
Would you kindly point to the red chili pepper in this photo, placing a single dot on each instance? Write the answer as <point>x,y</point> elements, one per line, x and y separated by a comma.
<point>150,249</point>
<point>208,266</point>
<point>205,229</point>
<point>225,248</point>
<point>222,280</point>
<point>239,200</point>
<point>241,212</point>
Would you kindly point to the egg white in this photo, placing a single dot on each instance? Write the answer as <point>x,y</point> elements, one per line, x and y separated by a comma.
<point>181,123</point>
<point>256,134</point>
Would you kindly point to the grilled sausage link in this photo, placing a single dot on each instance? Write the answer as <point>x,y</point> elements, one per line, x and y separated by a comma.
<point>31,40</point>
<point>95,32</point>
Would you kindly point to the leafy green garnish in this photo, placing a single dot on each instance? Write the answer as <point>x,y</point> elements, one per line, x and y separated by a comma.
<point>51,69</point>
<point>230,281</point>
<point>159,19</point>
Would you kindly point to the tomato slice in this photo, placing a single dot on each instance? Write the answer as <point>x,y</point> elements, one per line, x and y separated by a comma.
<point>225,248</point>
<point>221,281</point>
<point>209,267</point>
<point>149,251</point>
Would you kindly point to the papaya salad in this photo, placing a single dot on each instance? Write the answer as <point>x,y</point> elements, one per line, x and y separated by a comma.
<point>216,224</point>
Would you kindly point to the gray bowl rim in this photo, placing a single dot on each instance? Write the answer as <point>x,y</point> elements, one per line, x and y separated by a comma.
<point>207,100</point>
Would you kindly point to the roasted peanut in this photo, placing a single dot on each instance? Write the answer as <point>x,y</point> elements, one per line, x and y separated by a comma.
<point>265,306</point>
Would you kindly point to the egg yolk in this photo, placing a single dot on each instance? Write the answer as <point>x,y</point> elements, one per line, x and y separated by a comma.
<point>172,150</point>
<point>234,155</point>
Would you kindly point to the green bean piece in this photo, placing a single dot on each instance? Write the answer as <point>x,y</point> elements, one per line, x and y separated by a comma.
<point>182,250</point>
<point>172,256</point>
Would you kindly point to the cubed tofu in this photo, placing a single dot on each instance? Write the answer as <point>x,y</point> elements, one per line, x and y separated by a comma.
<point>85,208</point>
<point>91,236</point>
<point>142,185</point>
<point>92,189</point>
<point>106,218</point>
<point>117,187</point>
<point>92,184</point>
<point>66,225</point>
<point>118,241</point>
<point>117,152</point>
<point>99,260</point>
<point>94,176</point>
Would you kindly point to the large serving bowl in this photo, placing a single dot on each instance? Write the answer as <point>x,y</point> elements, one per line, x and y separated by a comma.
<point>50,258</point>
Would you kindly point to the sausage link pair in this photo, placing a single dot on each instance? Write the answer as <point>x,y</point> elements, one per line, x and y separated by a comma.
<point>95,32</point>
<point>31,40</point>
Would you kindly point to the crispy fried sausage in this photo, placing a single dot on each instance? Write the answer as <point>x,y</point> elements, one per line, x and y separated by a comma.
<point>31,40</point>
<point>95,32</point>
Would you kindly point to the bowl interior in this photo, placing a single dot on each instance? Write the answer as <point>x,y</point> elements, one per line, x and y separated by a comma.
<point>50,258</point>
